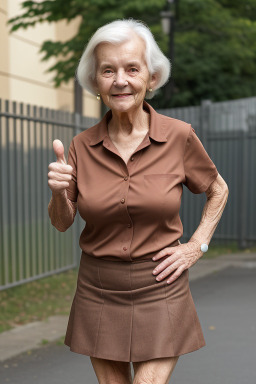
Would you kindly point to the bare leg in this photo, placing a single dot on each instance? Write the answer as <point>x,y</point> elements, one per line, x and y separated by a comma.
<point>112,372</point>
<point>155,371</point>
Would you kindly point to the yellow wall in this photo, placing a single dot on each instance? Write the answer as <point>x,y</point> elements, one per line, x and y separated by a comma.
<point>23,76</point>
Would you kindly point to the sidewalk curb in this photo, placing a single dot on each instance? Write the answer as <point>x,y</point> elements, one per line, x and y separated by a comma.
<point>30,336</point>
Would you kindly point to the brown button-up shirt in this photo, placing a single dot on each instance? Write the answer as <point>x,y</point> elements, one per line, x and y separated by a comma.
<point>132,211</point>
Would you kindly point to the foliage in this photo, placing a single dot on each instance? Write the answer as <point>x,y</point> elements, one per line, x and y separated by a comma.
<point>92,14</point>
<point>215,42</point>
<point>215,55</point>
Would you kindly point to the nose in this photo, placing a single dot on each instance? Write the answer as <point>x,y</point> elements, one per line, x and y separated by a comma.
<point>120,79</point>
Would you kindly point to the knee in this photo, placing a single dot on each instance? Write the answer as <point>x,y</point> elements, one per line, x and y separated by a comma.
<point>149,380</point>
<point>111,372</point>
<point>145,379</point>
<point>156,371</point>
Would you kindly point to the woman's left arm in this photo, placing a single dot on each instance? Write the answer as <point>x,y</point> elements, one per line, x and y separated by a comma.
<point>185,255</point>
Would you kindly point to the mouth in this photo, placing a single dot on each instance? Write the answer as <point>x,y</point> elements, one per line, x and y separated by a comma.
<point>121,95</point>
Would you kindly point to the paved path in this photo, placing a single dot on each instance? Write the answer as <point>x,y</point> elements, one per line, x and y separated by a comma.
<point>226,305</point>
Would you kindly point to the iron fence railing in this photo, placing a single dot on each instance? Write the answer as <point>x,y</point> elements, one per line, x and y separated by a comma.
<point>228,132</point>
<point>30,247</point>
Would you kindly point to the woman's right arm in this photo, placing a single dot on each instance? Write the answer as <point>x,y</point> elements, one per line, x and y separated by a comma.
<point>61,210</point>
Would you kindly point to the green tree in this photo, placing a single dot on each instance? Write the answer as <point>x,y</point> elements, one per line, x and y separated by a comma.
<point>215,41</point>
<point>93,14</point>
<point>215,51</point>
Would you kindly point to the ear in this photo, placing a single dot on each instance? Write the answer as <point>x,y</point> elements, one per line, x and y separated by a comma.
<point>153,81</point>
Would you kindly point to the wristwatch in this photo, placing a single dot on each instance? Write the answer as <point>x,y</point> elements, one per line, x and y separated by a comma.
<point>204,247</point>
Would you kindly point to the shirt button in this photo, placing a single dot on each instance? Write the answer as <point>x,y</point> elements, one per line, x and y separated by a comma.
<point>132,158</point>
<point>126,178</point>
<point>129,225</point>
<point>122,201</point>
<point>124,248</point>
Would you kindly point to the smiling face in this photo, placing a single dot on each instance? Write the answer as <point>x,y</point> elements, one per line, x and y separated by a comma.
<point>122,76</point>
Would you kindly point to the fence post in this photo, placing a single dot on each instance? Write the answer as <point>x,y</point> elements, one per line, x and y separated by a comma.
<point>205,123</point>
<point>243,187</point>
<point>78,123</point>
<point>75,227</point>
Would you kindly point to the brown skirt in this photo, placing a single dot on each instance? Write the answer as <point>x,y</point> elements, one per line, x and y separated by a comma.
<point>120,312</point>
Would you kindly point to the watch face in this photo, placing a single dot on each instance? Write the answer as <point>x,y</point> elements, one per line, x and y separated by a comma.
<point>204,247</point>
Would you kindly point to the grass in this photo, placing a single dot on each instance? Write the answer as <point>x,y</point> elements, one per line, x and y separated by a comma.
<point>37,300</point>
<point>53,295</point>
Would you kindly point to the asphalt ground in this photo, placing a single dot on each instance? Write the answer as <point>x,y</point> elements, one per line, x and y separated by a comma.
<point>226,305</point>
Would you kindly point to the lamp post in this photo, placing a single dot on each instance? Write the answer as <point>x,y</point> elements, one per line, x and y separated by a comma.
<point>168,26</point>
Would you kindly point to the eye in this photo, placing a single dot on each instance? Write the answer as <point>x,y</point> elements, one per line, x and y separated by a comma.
<point>108,71</point>
<point>133,70</point>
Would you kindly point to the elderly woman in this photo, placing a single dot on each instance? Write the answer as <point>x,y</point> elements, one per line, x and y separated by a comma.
<point>125,175</point>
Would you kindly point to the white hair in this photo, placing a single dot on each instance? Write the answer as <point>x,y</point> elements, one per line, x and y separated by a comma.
<point>118,32</point>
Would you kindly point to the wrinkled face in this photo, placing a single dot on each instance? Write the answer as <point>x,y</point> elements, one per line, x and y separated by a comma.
<point>122,76</point>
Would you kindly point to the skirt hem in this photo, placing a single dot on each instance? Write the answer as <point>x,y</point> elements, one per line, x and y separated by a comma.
<point>149,357</point>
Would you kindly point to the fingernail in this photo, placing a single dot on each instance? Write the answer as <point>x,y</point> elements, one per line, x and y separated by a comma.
<point>153,258</point>
<point>158,278</point>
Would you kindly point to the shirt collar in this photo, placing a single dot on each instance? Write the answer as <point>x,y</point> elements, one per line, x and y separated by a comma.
<point>157,128</point>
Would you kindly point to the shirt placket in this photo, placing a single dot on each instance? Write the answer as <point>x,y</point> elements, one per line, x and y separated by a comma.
<point>126,233</point>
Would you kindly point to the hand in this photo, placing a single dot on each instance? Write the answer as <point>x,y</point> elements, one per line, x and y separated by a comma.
<point>181,257</point>
<point>60,173</point>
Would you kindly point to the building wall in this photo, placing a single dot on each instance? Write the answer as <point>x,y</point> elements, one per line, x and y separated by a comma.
<point>23,76</point>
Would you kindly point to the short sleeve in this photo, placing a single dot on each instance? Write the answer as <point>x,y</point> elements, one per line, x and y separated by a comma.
<point>200,171</point>
<point>72,190</point>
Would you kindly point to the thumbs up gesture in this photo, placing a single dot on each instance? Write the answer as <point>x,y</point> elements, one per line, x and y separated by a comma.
<point>60,173</point>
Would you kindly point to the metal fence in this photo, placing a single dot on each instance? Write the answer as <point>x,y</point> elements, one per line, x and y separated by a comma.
<point>228,132</point>
<point>30,247</point>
